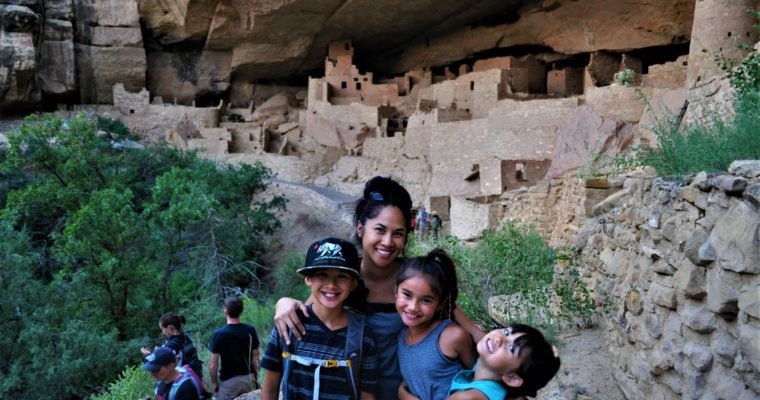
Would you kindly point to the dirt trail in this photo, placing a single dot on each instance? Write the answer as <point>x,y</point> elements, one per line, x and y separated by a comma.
<point>586,371</point>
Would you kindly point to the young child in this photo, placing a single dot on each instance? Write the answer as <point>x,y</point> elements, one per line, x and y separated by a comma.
<point>432,348</point>
<point>332,272</point>
<point>514,361</point>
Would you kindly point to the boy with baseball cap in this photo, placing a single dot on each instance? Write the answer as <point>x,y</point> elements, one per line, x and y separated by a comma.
<point>336,350</point>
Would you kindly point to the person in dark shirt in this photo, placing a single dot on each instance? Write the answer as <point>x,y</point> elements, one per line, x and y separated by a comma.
<point>238,347</point>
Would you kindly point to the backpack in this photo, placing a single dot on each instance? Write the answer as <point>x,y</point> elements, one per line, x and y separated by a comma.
<point>188,374</point>
<point>186,353</point>
<point>352,358</point>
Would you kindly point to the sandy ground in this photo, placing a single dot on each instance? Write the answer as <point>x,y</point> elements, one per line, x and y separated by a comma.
<point>585,372</point>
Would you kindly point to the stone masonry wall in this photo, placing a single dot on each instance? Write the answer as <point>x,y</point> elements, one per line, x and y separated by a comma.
<point>678,271</point>
<point>558,208</point>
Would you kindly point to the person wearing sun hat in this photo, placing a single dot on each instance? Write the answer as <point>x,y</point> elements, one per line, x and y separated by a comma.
<point>331,271</point>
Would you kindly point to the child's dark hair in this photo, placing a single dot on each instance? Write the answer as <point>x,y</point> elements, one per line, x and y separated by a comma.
<point>539,361</point>
<point>381,192</point>
<point>443,277</point>
<point>172,319</point>
<point>234,306</point>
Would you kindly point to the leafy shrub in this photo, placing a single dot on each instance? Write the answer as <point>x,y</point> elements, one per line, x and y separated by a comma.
<point>285,281</point>
<point>133,383</point>
<point>709,145</point>
<point>576,303</point>
<point>114,127</point>
<point>602,165</point>
<point>511,260</point>
<point>234,117</point>
<point>625,77</point>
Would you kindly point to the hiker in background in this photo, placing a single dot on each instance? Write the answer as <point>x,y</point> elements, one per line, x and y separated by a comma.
<point>382,223</point>
<point>423,223</point>
<point>435,225</point>
<point>178,342</point>
<point>238,347</point>
<point>336,358</point>
<point>173,382</point>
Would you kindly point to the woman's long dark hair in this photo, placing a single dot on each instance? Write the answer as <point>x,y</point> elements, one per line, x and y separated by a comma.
<point>381,192</point>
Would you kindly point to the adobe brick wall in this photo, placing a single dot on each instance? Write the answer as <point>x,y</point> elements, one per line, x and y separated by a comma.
<point>469,218</point>
<point>565,82</point>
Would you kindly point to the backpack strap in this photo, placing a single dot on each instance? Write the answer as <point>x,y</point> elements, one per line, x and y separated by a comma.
<point>307,361</point>
<point>352,358</point>
<point>287,366</point>
<point>354,342</point>
<point>187,374</point>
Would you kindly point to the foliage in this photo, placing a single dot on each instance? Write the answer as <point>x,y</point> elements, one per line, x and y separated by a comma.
<point>133,383</point>
<point>285,281</point>
<point>114,126</point>
<point>603,165</point>
<point>511,260</point>
<point>625,77</point>
<point>576,301</point>
<point>234,117</point>
<point>116,236</point>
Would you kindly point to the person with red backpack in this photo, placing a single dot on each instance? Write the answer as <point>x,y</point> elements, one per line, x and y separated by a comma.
<point>179,383</point>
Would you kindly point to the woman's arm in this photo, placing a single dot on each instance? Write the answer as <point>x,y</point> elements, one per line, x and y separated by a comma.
<point>456,343</point>
<point>286,320</point>
<point>468,325</point>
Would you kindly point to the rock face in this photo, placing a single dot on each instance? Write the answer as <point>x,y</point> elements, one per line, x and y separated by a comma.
<point>605,26</point>
<point>109,49</point>
<point>584,133</point>
<point>199,49</point>
<point>60,50</point>
<point>18,58</point>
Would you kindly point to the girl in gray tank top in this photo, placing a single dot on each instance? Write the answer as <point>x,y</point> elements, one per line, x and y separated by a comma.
<point>432,347</point>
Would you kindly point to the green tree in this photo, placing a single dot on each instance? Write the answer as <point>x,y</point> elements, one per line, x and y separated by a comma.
<point>100,238</point>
